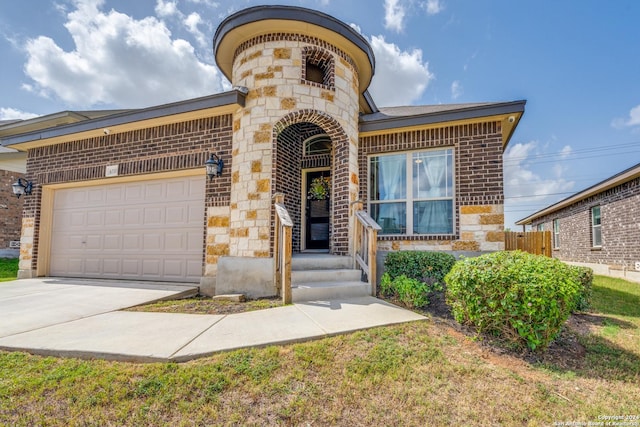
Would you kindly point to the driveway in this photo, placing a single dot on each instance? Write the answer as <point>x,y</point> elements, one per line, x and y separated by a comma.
<point>29,304</point>
<point>80,318</point>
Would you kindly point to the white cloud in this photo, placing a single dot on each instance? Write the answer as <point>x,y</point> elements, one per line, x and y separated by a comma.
<point>401,77</point>
<point>456,90</point>
<point>433,7</point>
<point>13,114</point>
<point>166,8</point>
<point>527,191</point>
<point>394,14</point>
<point>520,180</point>
<point>118,60</point>
<point>191,22</point>
<point>212,4</point>
<point>631,121</point>
<point>566,151</point>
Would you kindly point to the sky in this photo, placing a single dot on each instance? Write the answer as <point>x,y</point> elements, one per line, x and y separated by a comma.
<point>575,62</point>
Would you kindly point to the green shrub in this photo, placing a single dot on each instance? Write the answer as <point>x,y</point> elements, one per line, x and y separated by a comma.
<point>409,291</point>
<point>412,276</point>
<point>427,267</point>
<point>520,297</point>
<point>584,275</point>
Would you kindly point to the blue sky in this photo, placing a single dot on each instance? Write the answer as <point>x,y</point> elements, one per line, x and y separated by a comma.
<point>575,62</point>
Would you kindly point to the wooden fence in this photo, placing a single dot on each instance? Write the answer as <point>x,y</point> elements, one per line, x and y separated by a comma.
<point>535,242</point>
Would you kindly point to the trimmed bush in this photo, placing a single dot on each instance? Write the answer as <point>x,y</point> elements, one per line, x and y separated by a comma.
<point>519,297</point>
<point>412,276</point>
<point>428,267</point>
<point>411,292</point>
<point>584,276</point>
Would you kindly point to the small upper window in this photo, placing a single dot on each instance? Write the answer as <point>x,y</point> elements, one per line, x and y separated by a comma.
<point>318,67</point>
<point>318,144</point>
<point>596,227</point>
<point>540,227</point>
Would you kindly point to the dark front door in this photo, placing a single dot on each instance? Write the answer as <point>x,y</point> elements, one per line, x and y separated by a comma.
<point>317,213</point>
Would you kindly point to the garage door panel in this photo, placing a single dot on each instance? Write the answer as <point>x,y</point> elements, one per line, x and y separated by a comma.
<point>112,242</point>
<point>154,216</point>
<point>95,218</point>
<point>113,217</point>
<point>93,242</point>
<point>130,230</point>
<point>152,242</point>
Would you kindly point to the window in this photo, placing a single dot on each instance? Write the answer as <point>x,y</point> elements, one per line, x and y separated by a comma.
<point>540,227</point>
<point>318,144</point>
<point>412,193</point>
<point>596,231</point>
<point>556,234</point>
<point>318,67</point>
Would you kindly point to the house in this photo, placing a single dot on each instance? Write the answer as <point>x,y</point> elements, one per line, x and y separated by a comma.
<point>597,227</point>
<point>12,168</point>
<point>126,195</point>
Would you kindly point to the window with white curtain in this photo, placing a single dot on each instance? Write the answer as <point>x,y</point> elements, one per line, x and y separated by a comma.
<point>412,193</point>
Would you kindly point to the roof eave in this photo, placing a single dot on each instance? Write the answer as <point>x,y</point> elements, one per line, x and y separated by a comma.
<point>514,108</point>
<point>230,98</point>
<point>618,179</point>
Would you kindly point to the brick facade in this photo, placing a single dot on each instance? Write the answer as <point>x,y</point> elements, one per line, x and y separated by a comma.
<point>172,147</point>
<point>478,181</point>
<point>619,211</point>
<point>10,209</point>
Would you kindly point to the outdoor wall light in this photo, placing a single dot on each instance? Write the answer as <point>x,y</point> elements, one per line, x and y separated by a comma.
<point>22,186</point>
<point>214,166</point>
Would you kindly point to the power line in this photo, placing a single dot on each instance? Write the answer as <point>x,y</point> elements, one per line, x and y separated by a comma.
<point>579,151</point>
<point>540,195</point>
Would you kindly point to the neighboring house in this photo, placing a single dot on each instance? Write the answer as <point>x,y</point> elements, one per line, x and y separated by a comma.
<point>598,227</point>
<point>125,196</point>
<point>12,167</point>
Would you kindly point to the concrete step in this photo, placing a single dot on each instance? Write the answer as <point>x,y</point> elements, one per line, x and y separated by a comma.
<point>334,275</point>
<point>320,262</point>
<point>325,291</point>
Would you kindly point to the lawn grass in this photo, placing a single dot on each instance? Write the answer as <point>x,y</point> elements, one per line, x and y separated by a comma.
<point>8,269</point>
<point>206,305</point>
<point>420,373</point>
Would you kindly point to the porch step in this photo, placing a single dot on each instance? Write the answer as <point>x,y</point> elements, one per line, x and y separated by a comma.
<point>328,275</point>
<point>320,262</point>
<point>322,277</point>
<point>324,291</point>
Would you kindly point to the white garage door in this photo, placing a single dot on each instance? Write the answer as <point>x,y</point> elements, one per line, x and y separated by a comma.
<point>145,230</point>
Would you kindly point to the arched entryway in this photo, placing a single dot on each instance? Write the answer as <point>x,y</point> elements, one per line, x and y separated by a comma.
<point>308,148</point>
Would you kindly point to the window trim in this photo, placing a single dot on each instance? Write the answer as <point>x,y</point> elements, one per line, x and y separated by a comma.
<point>409,198</point>
<point>593,227</point>
<point>556,233</point>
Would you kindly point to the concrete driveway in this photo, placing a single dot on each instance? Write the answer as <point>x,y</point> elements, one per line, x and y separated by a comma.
<point>80,318</point>
<point>29,304</point>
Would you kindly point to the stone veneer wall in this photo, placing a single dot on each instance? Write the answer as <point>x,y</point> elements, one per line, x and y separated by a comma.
<point>10,209</point>
<point>620,227</point>
<point>479,198</point>
<point>166,148</point>
<point>272,67</point>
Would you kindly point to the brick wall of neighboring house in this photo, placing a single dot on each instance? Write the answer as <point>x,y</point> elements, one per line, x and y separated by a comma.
<point>10,209</point>
<point>479,198</point>
<point>620,227</point>
<point>171,147</point>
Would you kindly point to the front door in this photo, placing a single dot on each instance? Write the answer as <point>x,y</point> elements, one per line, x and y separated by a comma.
<point>318,185</point>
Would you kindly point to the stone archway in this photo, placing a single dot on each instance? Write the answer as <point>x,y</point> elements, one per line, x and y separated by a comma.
<point>288,134</point>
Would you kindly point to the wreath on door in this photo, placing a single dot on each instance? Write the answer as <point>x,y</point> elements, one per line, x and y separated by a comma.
<point>320,188</point>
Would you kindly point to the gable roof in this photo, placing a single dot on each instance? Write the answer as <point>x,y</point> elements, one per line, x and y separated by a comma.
<point>617,179</point>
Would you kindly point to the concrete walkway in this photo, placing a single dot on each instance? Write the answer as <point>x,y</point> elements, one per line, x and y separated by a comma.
<point>80,318</point>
